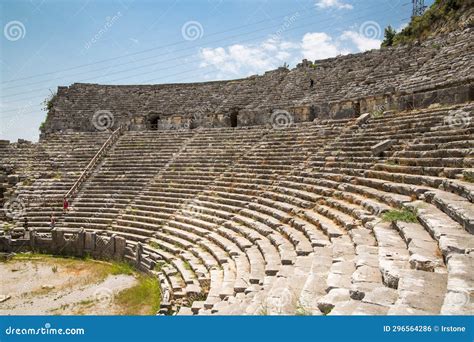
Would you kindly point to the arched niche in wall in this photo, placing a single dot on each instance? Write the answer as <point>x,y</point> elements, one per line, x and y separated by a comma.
<point>234,117</point>
<point>153,121</point>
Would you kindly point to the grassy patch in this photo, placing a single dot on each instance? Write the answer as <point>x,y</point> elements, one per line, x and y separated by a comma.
<point>301,310</point>
<point>31,256</point>
<point>99,269</point>
<point>154,244</point>
<point>391,162</point>
<point>263,311</point>
<point>141,299</point>
<point>404,215</point>
<point>121,268</point>
<point>468,177</point>
<point>378,113</point>
<point>7,227</point>
<point>159,265</point>
<point>187,266</point>
<point>86,302</point>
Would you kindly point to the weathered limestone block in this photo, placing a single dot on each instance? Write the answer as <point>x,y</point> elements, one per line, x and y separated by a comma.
<point>382,146</point>
<point>361,120</point>
<point>420,293</point>
<point>459,299</point>
<point>393,254</point>
<point>424,252</point>
<point>329,301</point>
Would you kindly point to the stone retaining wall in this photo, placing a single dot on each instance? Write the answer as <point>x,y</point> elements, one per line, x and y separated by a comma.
<point>438,70</point>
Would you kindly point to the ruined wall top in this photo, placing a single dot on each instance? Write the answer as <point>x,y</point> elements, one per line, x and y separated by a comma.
<point>391,72</point>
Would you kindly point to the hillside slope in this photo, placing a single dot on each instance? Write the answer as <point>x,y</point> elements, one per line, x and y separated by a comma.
<point>442,17</point>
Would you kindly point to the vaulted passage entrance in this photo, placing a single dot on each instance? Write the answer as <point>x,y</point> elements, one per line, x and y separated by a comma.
<point>153,121</point>
<point>234,118</point>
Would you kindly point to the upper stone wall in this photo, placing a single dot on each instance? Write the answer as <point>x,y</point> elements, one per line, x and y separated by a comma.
<point>438,70</point>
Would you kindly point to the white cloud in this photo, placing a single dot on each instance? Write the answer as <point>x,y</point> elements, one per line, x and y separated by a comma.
<point>319,45</point>
<point>362,42</point>
<point>243,60</point>
<point>249,59</point>
<point>333,4</point>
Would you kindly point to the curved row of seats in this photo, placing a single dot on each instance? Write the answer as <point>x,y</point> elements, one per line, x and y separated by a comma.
<point>47,171</point>
<point>266,221</point>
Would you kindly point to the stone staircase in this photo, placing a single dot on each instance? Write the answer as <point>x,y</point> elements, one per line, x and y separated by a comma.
<point>254,220</point>
<point>45,172</point>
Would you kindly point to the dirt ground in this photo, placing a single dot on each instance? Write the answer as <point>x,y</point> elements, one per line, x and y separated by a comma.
<point>53,286</point>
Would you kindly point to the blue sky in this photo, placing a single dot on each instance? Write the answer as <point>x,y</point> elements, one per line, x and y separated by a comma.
<point>51,43</point>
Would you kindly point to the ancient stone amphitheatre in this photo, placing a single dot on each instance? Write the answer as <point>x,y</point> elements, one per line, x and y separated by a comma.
<point>267,195</point>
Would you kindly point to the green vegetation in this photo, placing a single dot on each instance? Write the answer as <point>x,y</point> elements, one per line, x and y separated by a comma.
<point>378,113</point>
<point>27,182</point>
<point>301,310</point>
<point>49,101</point>
<point>86,302</point>
<point>187,266</point>
<point>117,268</point>
<point>391,162</point>
<point>468,177</point>
<point>404,215</point>
<point>143,298</point>
<point>442,12</point>
<point>100,269</point>
<point>159,265</point>
<point>326,311</point>
<point>31,256</point>
<point>389,36</point>
<point>154,244</point>
<point>7,227</point>
<point>263,311</point>
<point>42,126</point>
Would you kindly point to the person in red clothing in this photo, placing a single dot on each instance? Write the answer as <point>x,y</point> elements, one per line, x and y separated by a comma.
<point>65,204</point>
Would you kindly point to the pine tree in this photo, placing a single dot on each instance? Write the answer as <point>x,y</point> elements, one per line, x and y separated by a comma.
<point>389,35</point>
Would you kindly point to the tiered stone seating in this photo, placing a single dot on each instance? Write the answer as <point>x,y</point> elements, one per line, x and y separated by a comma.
<point>235,215</point>
<point>197,164</point>
<point>48,170</point>
<point>130,165</point>
<point>417,253</point>
<point>266,221</point>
